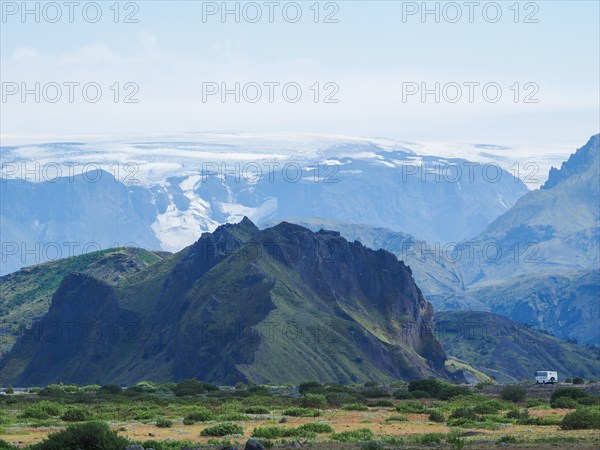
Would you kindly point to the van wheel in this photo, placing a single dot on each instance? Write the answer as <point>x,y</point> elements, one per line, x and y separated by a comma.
<point>552,380</point>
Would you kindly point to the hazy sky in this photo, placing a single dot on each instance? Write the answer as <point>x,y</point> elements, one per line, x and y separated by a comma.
<point>373,54</point>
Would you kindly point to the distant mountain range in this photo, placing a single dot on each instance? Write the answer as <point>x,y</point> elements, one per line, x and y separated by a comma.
<point>134,194</point>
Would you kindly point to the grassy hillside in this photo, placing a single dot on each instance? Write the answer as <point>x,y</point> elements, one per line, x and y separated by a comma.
<point>508,351</point>
<point>25,295</point>
<point>564,304</point>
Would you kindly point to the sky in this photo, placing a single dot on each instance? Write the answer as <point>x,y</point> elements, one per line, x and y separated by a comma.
<point>529,76</point>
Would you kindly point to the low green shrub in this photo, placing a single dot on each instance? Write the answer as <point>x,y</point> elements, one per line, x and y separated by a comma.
<point>313,401</point>
<point>315,427</point>
<point>564,402</point>
<point>512,393</point>
<point>574,393</point>
<point>111,389</point>
<point>257,410</point>
<point>89,435</point>
<point>535,402</point>
<point>231,417</point>
<point>311,386</point>
<point>76,414</point>
<point>373,446</point>
<point>223,429</point>
<point>193,387</point>
<point>301,412</point>
<point>42,410</point>
<point>430,438</point>
<point>358,435</point>
<point>375,393</point>
<point>588,401</point>
<point>431,386</point>
<point>401,394</point>
<point>355,407</point>
<point>421,394</point>
<point>56,390</point>
<point>488,407</point>
<point>517,414</point>
<point>381,404</point>
<point>198,415</point>
<point>436,416</point>
<point>449,391</point>
<point>508,439</point>
<point>455,440</point>
<point>163,422</point>
<point>582,419</point>
<point>411,407</point>
<point>271,432</point>
<point>397,418</point>
<point>464,413</point>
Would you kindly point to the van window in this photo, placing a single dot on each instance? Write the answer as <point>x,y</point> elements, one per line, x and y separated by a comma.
<point>541,374</point>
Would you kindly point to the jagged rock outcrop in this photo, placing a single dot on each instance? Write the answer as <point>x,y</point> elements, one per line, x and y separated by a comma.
<point>279,305</point>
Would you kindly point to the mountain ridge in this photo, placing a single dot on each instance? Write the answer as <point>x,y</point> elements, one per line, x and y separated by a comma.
<point>317,292</point>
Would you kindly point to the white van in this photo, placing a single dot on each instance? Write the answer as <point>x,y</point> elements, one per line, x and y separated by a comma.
<point>545,376</point>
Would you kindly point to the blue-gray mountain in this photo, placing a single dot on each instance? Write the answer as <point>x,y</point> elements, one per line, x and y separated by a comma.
<point>546,271</point>
<point>555,228</point>
<point>537,263</point>
<point>437,199</point>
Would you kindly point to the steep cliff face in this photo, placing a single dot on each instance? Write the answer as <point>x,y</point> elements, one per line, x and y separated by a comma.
<point>280,305</point>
